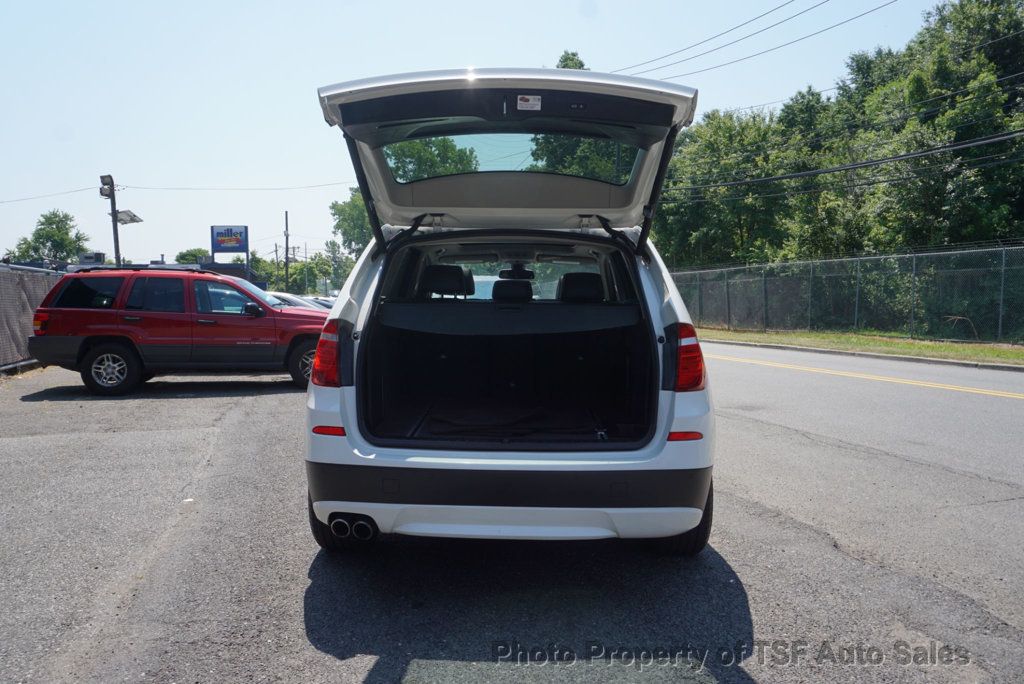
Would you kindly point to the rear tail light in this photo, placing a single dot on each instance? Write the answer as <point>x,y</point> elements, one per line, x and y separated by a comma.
<point>326,368</point>
<point>39,322</point>
<point>689,360</point>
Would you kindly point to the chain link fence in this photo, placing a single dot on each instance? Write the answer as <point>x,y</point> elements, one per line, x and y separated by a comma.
<point>21,291</point>
<point>973,295</point>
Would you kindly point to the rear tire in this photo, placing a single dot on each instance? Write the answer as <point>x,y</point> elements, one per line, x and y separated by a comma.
<point>111,369</point>
<point>692,542</point>
<point>300,362</point>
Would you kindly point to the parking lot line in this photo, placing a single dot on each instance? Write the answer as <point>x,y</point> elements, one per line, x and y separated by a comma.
<point>869,376</point>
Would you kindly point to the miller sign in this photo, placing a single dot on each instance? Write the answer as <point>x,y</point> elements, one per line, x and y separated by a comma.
<point>229,239</point>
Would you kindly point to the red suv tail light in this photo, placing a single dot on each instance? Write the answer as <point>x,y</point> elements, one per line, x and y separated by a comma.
<point>326,367</point>
<point>39,321</point>
<point>689,360</point>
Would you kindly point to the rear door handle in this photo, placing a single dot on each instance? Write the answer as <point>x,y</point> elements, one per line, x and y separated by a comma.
<point>133,318</point>
<point>205,321</point>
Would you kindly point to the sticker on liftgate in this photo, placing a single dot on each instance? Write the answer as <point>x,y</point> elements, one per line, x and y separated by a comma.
<point>528,102</point>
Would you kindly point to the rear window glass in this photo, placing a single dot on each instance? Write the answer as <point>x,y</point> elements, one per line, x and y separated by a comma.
<point>545,276</point>
<point>89,293</point>
<point>598,159</point>
<point>157,294</point>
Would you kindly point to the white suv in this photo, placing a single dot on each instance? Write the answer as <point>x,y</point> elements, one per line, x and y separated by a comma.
<point>566,398</point>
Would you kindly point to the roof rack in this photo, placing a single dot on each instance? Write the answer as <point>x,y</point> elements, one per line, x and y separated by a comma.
<point>143,267</point>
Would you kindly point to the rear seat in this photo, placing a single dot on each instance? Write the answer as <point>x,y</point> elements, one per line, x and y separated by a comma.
<point>512,291</point>
<point>580,288</point>
<point>445,280</point>
<point>581,305</point>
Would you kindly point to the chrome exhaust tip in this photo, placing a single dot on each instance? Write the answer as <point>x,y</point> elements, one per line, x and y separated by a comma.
<point>362,530</point>
<point>340,528</point>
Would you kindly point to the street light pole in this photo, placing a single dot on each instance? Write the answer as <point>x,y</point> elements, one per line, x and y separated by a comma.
<point>107,190</point>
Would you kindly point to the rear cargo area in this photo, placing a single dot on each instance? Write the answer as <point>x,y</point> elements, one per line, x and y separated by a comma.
<point>532,391</point>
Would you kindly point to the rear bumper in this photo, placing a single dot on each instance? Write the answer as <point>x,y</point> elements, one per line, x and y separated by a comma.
<point>55,350</point>
<point>499,522</point>
<point>513,504</point>
<point>528,488</point>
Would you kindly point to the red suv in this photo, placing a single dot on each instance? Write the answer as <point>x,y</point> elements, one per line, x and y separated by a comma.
<point>121,327</point>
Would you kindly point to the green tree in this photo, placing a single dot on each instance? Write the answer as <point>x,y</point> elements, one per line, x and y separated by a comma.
<point>412,160</point>
<point>570,60</point>
<point>263,270</point>
<point>941,88</point>
<point>409,160</point>
<point>596,158</point>
<point>351,224</point>
<point>305,277</point>
<point>56,239</point>
<point>341,263</point>
<point>195,255</point>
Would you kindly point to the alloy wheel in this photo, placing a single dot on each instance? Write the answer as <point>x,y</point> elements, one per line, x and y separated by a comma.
<point>109,370</point>
<point>306,363</point>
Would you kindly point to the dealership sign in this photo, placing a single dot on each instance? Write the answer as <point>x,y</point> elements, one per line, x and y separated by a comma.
<point>229,239</point>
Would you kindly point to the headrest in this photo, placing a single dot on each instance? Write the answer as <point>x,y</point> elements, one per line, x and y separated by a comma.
<point>470,283</point>
<point>443,279</point>
<point>580,287</point>
<point>512,291</point>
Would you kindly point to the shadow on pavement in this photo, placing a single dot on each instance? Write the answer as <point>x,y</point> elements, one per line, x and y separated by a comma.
<point>170,388</point>
<point>436,609</point>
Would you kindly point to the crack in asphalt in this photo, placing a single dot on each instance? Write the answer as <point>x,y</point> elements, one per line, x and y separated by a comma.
<point>984,503</point>
<point>787,519</point>
<point>115,599</point>
<point>833,442</point>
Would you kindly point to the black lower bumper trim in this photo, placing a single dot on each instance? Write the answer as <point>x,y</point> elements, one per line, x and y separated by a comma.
<point>55,350</point>
<point>554,489</point>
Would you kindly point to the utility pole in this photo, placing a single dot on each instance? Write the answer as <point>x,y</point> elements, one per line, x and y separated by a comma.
<point>285,288</point>
<point>107,190</point>
<point>305,271</point>
<point>277,275</point>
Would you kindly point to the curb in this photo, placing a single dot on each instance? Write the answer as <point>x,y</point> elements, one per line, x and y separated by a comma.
<point>873,355</point>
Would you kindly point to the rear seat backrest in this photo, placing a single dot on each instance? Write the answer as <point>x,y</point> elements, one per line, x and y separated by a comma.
<point>443,279</point>
<point>581,288</point>
<point>512,291</point>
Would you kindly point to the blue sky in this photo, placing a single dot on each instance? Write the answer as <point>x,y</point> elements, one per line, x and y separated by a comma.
<point>217,94</point>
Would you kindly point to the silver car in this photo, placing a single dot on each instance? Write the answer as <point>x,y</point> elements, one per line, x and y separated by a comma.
<point>567,397</point>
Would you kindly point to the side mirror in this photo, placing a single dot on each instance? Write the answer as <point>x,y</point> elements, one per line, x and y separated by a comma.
<point>252,309</point>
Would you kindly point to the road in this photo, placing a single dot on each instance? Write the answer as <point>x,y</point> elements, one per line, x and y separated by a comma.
<point>864,508</point>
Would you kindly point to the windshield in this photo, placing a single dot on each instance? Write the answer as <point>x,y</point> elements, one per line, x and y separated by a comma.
<point>256,292</point>
<point>598,159</point>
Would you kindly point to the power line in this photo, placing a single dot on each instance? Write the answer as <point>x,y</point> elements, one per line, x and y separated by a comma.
<point>877,124</point>
<point>765,104</point>
<point>50,194</point>
<point>867,163</point>
<point>969,166</point>
<point>916,173</point>
<point>826,90</point>
<point>733,42</point>
<point>669,188</point>
<point>699,43</point>
<point>1007,109</point>
<point>786,44</point>
<point>232,189</point>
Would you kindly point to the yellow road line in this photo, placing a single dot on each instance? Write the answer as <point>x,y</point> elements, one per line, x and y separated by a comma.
<point>869,376</point>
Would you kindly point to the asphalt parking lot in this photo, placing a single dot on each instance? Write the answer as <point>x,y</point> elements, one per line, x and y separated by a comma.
<point>866,510</point>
